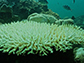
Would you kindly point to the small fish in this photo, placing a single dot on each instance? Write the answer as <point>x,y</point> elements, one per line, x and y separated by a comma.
<point>66,7</point>
<point>73,17</point>
<point>73,1</point>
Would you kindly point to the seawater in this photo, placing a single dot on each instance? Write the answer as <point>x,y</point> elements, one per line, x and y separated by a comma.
<point>57,6</point>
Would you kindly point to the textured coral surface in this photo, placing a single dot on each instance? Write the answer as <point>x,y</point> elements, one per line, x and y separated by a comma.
<point>79,55</point>
<point>38,38</point>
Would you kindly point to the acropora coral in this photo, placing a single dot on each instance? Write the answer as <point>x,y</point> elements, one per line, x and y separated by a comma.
<point>28,37</point>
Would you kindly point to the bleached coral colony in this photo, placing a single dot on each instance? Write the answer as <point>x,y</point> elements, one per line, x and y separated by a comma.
<point>38,38</point>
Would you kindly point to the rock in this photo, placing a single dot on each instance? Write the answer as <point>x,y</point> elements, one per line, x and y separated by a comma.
<point>79,21</point>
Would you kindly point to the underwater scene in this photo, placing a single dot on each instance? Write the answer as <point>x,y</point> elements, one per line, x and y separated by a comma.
<point>42,31</point>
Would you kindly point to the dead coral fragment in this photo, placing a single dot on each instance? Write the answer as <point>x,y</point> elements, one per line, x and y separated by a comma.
<point>32,37</point>
<point>42,18</point>
<point>64,21</point>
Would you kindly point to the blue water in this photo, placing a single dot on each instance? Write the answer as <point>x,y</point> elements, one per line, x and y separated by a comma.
<point>57,6</point>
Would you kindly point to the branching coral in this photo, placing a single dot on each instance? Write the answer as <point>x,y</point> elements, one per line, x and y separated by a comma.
<point>38,38</point>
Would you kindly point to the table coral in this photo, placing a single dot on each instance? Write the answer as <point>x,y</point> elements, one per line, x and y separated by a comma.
<point>28,37</point>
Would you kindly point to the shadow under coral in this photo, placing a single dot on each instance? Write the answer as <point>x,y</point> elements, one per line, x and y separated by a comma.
<point>55,57</point>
